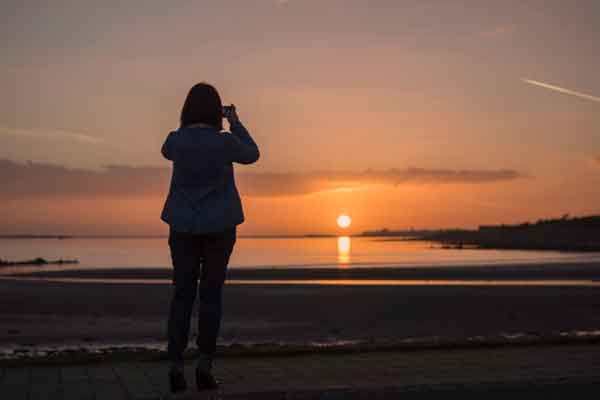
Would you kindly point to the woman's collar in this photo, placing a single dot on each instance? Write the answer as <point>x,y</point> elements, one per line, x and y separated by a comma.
<point>199,125</point>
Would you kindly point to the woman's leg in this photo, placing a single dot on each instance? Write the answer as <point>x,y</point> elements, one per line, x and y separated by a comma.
<point>185,255</point>
<point>217,248</point>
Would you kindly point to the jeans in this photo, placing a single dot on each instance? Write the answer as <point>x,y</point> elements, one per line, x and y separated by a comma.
<point>188,253</point>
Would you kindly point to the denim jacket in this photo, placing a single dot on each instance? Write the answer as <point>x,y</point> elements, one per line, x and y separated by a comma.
<point>202,196</point>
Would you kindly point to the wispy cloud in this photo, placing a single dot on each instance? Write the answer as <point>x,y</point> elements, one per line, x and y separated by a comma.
<point>498,31</point>
<point>561,89</point>
<point>40,179</point>
<point>51,133</point>
<point>286,184</point>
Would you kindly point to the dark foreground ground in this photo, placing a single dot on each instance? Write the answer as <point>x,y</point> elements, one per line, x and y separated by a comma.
<point>39,312</point>
<point>558,372</point>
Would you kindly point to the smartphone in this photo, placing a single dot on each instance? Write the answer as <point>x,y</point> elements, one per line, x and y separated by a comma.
<point>227,110</point>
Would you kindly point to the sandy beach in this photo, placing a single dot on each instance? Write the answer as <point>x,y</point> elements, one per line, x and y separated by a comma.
<point>559,372</point>
<point>40,312</point>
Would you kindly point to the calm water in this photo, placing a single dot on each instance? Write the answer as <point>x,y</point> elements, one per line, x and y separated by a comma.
<point>271,252</point>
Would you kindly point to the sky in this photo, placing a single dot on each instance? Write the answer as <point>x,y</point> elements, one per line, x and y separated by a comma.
<point>424,114</point>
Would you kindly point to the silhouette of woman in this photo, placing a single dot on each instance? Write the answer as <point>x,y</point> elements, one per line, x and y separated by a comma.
<point>203,209</point>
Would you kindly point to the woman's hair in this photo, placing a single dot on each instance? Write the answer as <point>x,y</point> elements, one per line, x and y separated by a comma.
<point>203,105</point>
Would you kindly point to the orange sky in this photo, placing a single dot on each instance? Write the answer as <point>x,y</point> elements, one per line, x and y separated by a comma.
<point>428,97</point>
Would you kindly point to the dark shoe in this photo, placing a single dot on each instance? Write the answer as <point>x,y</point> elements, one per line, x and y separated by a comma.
<point>177,380</point>
<point>205,380</point>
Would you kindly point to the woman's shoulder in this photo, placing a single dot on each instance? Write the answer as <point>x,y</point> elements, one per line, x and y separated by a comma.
<point>211,141</point>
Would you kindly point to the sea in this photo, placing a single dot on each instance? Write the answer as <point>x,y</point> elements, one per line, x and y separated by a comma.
<point>270,252</point>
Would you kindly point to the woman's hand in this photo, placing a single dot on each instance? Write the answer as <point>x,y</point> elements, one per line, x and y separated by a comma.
<point>230,113</point>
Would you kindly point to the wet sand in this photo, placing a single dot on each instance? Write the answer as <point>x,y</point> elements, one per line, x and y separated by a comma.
<point>558,271</point>
<point>40,312</point>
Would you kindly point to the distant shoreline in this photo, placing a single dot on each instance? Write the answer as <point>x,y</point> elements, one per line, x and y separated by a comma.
<point>577,234</point>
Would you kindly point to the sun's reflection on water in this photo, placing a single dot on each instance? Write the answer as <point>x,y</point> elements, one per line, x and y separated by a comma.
<point>344,246</point>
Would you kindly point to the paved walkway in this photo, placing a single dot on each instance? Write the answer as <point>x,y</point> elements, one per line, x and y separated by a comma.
<point>543,372</point>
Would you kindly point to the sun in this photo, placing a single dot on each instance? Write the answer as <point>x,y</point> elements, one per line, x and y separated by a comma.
<point>344,221</point>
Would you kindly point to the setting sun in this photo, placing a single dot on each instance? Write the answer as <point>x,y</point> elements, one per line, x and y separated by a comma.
<point>344,221</point>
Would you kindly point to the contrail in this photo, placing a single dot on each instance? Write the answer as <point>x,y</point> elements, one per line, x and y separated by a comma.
<point>561,90</point>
